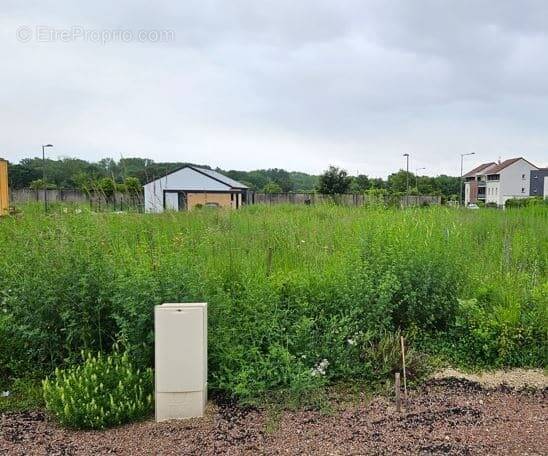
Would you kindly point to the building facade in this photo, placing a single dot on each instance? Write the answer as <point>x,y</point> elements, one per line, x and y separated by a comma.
<point>189,187</point>
<point>495,183</point>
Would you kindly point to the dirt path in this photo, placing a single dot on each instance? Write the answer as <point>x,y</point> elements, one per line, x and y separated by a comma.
<point>446,416</point>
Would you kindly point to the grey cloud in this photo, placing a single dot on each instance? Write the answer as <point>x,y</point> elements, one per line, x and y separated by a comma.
<point>288,84</point>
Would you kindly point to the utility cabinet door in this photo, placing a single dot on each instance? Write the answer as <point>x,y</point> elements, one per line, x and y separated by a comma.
<point>179,349</point>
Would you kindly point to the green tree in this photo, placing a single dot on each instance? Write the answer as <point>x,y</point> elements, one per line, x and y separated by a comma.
<point>281,177</point>
<point>272,187</point>
<point>37,184</point>
<point>447,185</point>
<point>133,185</point>
<point>22,174</point>
<point>107,186</point>
<point>83,182</point>
<point>377,183</point>
<point>360,184</point>
<point>397,182</point>
<point>334,181</point>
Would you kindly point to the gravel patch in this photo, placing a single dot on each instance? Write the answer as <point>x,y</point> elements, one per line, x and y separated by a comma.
<point>515,378</point>
<point>445,416</point>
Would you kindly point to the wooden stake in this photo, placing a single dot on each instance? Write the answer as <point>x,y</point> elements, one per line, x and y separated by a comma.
<point>269,262</point>
<point>404,372</point>
<point>397,387</point>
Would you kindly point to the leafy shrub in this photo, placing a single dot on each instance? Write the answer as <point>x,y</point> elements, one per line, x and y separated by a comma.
<point>103,391</point>
<point>517,340</point>
<point>107,186</point>
<point>385,358</point>
<point>23,395</point>
<point>133,186</point>
<point>524,202</point>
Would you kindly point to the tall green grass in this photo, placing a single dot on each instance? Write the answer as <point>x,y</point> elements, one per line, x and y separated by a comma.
<point>287,287</point>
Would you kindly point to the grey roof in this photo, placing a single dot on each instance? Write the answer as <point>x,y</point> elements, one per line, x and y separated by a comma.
<point>209,173</point>
<point>220,177</point>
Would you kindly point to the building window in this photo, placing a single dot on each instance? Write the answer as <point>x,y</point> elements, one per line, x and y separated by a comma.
<point>522,190</point>
<point>523,176</point>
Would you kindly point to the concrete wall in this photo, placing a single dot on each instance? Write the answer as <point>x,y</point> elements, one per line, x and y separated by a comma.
<point>345,200</point>
<point>120,201</point>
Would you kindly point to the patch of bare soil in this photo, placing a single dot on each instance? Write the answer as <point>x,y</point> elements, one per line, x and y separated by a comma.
<point>446,416</point>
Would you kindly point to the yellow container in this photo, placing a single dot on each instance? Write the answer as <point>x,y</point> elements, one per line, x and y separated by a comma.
<point>4,195</point>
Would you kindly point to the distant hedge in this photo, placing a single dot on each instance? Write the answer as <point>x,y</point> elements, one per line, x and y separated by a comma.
<point>524,202</point>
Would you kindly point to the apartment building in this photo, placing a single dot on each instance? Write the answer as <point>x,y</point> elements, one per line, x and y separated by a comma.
<point>539,183</point>
<point>497,182</point>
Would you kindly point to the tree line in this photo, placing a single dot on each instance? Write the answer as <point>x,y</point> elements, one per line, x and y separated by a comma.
<point>128,174</point>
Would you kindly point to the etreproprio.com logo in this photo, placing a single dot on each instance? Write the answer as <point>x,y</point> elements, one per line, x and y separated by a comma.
<point>48,34</point>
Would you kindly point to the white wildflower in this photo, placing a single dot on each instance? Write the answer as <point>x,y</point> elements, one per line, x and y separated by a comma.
<point>5,393</point>
<point>320,368</point>
<point>351,342</point>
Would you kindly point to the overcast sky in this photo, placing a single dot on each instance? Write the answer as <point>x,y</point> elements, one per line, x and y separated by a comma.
<point>297,84</point>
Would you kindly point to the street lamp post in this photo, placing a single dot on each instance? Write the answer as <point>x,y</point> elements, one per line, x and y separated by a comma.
<point>461,181</point>
<point>44,175</point>
<point>417,177</point>
<point>407,180</point>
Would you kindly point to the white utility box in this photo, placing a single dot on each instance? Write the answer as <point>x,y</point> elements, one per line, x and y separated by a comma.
<point>180,360</point>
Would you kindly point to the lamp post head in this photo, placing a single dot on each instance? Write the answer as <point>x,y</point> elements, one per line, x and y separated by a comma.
<point>48,145</point>
<point>406,155</point>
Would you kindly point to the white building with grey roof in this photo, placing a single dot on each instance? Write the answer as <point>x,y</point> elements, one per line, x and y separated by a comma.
<point>189,187</point>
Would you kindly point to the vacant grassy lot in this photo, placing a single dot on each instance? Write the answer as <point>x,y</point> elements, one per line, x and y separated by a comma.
<point>287,287</point>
